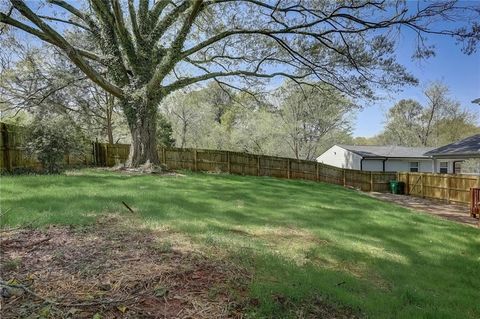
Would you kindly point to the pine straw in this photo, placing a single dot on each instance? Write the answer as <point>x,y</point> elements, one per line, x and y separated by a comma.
<point>123,272</point>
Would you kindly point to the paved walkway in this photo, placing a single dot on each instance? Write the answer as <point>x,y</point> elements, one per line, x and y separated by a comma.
<point>456,213</point>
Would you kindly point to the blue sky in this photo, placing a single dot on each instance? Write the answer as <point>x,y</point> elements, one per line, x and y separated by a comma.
<point>460,72</point>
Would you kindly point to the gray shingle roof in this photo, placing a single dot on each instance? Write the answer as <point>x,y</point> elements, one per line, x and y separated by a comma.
<point>468,146</point>
<point>387,151</point>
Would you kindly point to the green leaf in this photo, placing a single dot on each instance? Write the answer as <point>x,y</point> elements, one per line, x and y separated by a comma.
<point>122,308</point>
<point>44,312</point>
<point>160,292</point>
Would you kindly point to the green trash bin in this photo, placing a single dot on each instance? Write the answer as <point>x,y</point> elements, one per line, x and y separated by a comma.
<point>394,187</point>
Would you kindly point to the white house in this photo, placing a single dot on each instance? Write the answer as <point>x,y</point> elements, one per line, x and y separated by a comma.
<point>447,159</point>
<point>379,158</point>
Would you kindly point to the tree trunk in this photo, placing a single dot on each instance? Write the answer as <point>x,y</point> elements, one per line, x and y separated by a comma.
<point>184,134</point>
<point>110,134</point>
<point>143,128</point>
<point>109,123</point>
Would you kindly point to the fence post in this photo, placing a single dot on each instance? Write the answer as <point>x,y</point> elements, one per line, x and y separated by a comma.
<point>97,154</point>
<point>6,148</point>
<point>258,165</point>
<point>228,162</point>
<point>95,151</point>
<point>447,195</point>
<point>288,168</point>
<point>344,178</point>
<point>371,181</point>
<point>164,156</point>
<point>422,184</point>
<point>195,168</point>
<point>407,184</point>
<point>316,170</point>
<point>106,154</point>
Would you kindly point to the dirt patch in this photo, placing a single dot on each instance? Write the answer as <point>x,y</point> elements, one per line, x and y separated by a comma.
<point>452,212</point>
<point>145,169</point>
<point>118,272</point>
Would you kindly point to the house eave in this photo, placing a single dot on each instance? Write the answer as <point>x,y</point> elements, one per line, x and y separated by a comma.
<point>420,158</point>
<point>399,158</point>
<point>464,155</point>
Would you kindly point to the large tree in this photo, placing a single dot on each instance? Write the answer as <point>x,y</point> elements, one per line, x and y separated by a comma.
<point>440,120</point>
<point>143,49</point>
<point>308,115</point>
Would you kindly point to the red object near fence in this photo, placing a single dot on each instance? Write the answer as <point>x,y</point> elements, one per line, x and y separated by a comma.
<point>475,202</point>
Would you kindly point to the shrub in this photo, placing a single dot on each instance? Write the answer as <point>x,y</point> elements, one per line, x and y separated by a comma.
<point>164,132</point>
<point>50,139</point>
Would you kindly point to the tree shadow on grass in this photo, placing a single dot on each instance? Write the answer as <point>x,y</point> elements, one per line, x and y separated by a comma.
<point>369,254</point>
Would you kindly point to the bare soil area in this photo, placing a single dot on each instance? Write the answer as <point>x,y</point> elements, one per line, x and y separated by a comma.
<point>112,271</point>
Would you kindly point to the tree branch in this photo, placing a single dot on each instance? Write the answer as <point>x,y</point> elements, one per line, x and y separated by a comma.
<point>43,36</point>
<point>133,20</point>
<point>173,54</point>
<point>124,35</point>
<point>68,7</point>
<point>71,52</point>
<point>66,22</point>
<point>188,81</point>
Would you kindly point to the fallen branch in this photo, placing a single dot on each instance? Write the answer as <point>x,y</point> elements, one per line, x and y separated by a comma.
<point>5,212</point>
<point>32,245</point>
<point>5,243</point>
<point>128,207</point>
<point>62,304</point>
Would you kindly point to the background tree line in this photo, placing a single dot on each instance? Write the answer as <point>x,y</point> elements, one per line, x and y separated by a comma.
<point>39,87</point>
<point>440,120</point>
<point>137,53</point>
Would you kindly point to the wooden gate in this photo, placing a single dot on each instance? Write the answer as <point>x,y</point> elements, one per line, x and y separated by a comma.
<point>415,183</point>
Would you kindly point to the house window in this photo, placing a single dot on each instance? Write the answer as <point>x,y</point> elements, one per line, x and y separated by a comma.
<point>457,167</point>
<point>443,167</point>
<point>414,167</point>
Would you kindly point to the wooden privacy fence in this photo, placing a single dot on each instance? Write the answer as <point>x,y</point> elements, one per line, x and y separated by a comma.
<point>109,154</point>
<point>451,188</point>
<point>250,164</point>
<point>14,157</point>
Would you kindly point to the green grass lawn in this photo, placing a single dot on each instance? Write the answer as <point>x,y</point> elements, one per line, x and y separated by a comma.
<point>302,240</point>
